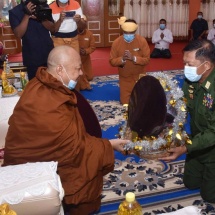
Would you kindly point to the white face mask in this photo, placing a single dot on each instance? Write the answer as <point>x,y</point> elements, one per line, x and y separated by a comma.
<point>190,73</point>
<point>63,1</point>
<point>71,85</point>
<point>214,25</point>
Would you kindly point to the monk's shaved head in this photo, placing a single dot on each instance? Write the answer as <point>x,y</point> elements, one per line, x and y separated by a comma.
<point>62,55</point>
<point>64,64</point>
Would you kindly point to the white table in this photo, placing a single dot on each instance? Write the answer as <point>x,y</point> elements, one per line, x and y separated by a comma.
<point>7,105</point>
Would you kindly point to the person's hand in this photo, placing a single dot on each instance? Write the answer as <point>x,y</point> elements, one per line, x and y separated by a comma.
<point>30,9</point>
<point>77,18</point>
<point>127,55</point>
<point>175,152</point>
<point>82,51</point>
<point>118,144</point>
<point>62,16</point>
<point>162,35</point>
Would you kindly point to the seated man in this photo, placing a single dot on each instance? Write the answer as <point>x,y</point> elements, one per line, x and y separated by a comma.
<point>211,34</point>
<point>162,37</point>
<point>47,125</point>
<point>198,28</point>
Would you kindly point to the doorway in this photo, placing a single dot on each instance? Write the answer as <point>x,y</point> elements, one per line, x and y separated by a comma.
<point>102,19</point>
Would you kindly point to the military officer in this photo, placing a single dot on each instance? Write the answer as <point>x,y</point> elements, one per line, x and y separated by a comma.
<point>199,90</point>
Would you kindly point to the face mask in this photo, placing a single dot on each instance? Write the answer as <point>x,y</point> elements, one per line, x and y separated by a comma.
<point>190,73</point>
<point>128,37</point>
<point>199,16</point>
<point>214,25</point>
<point>63,1</point>
<point>162,26</point>
<point>71,85</point>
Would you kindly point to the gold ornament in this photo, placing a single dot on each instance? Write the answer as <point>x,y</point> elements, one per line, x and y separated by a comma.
<point>5,210</point>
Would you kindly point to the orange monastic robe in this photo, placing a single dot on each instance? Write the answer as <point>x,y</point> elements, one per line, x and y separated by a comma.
<point>87,41</point>
<point>129,73</point>
<point>46,126</point>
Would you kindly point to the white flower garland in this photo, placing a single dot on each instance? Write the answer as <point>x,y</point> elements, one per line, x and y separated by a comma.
<point>173,134</point>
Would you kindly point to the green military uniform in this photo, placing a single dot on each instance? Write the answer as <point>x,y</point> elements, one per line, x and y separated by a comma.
<point>200,162</point>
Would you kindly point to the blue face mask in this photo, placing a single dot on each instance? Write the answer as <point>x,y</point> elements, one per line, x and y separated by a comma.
<point>162,26</point>
<point>128,37</point>
<point>190,73</point>
<point>63,1</point>
<point>71,85</point>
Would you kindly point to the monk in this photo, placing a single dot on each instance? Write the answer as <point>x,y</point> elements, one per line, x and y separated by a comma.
<point>87,47</point>
<point>46,125</point>
<point>130,53</point>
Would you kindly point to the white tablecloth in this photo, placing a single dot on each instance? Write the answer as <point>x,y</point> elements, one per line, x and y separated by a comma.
<point>7,105</point>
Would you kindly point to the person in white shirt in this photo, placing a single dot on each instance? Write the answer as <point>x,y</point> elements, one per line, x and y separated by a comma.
<point>211,34</point>
<point>162,37</point>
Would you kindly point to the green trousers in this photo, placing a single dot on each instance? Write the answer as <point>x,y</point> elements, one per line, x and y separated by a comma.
<point>200,175</point>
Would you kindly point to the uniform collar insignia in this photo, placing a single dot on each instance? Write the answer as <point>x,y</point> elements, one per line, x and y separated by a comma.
<point>207,85</point>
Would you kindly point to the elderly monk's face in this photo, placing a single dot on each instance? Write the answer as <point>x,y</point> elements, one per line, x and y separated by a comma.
<point>73,67</point>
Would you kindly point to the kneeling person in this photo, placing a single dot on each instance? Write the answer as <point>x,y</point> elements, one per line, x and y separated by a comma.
<point>162,38</point>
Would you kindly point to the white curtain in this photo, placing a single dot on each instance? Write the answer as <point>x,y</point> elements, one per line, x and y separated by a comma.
<point>208,9</point>
<point>128,9</point>
<point>147,14</point>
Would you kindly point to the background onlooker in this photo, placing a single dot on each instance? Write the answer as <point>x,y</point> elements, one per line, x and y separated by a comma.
<point>87,46</point>
<point>162,37</point>
<point>211,33</point>
<point>35,35</point>
<point>199,27</point>
<point>130,53</point>
<point>66,14</point>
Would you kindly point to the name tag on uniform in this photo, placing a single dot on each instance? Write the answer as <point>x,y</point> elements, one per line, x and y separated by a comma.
<point>137,49</point>
<point>86,38</point>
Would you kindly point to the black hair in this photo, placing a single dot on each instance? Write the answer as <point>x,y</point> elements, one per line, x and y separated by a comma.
<point>205,50</point>
<point>213,20</point>
<point>163,20</point>
<point>131,20</point>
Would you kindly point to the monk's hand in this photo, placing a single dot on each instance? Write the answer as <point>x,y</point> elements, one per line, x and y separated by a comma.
<point>118,144</point>
<point>174,153</point>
